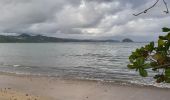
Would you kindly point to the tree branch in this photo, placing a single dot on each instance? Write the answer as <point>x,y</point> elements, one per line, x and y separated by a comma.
<point>162,66</point>
<point>167,11</point>
<point>146,10</point>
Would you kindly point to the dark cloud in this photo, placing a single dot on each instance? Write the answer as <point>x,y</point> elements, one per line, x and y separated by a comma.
<point>83,18</point>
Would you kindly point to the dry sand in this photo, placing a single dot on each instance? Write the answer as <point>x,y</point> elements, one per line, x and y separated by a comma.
<point>43,88</point>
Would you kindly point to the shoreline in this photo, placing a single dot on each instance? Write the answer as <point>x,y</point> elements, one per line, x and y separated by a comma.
<point>113,82</point>
<point>25,87</point>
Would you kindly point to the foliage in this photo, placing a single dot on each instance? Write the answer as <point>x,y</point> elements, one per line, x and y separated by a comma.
<point>153,56</point>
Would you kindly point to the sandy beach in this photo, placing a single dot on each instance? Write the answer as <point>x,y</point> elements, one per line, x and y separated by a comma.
<point>44,88</point>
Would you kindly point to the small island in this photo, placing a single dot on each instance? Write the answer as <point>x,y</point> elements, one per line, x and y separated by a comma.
<point>127,40</point>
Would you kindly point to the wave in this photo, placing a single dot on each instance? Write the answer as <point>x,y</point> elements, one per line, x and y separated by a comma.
<point>118,75</point>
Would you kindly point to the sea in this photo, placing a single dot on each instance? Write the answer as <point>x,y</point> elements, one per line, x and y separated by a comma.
<point>101,61</point>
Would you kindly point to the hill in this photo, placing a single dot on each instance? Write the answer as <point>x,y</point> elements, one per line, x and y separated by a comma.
<point>127,40</point>
<point>26,38</point>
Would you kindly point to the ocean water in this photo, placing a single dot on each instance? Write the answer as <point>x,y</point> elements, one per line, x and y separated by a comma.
<point>90,61</point>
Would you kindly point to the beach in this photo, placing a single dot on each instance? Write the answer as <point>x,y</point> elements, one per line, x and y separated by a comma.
<point>26,87</point>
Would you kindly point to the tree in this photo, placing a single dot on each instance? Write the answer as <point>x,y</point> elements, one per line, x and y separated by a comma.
<point>151,56</point>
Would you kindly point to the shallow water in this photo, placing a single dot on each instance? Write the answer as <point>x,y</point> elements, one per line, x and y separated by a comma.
<point>94,61</point>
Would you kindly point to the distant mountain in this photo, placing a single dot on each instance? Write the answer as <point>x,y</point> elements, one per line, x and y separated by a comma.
<point>26,38</point>
<point>127,40</point>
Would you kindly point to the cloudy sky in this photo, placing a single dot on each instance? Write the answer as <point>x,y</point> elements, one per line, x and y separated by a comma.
<point>84,19</point>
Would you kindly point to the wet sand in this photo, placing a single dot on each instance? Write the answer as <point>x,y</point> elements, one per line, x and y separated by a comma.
<point>14,87</point>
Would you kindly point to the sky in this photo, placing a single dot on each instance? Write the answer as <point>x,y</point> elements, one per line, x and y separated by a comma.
<point>84,19</point>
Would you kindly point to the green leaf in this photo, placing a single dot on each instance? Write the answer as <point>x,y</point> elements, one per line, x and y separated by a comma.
<point>153,64</point>
<point>130,66</point>
<point>167,80</point>
<point>160,42</point>
<point>143,72</point>
<point>152,44</point>
<point>167,72</point>
<point>165,29</point>
<point>167,45</point>
<point>140,61</point>
<point>168,36</point>
<point>160,58</point>
<point>150,47</point>
<point>147,65</point>
<point>163,37</point>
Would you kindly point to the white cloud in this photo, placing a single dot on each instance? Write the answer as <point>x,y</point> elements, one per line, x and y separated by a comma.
<point>82,18</point>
